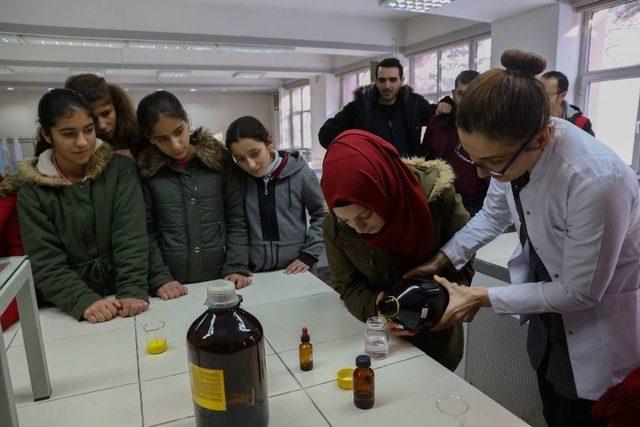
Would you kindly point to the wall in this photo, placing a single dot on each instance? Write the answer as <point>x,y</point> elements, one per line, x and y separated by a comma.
<point>425,27</point>
<point>325,98</point>
<point>215,110</point>
<point>535,30</point>
<point>552,31</point>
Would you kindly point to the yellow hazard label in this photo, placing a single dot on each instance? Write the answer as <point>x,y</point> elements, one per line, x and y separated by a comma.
<point>207,387</point>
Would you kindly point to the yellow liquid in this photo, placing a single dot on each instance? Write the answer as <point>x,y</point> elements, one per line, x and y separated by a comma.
<point>157,346</point>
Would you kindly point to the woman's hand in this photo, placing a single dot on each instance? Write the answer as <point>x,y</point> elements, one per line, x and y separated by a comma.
<point>102,311</point>
<point>398,330</point>
<point>296,267</point>
<point>464,303</point>
<point>430,268</point>
<point>239,280</point>
<point>132,306</point>
<point>171,290</point>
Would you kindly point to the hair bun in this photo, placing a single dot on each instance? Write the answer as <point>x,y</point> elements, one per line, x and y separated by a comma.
<point>528,63</point>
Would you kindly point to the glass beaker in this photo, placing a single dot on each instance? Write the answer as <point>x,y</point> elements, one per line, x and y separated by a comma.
<point>155,337</point>
<point>455,407</point>
<point>376,338</point>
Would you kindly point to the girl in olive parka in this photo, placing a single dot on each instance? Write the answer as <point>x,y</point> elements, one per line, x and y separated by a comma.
<point>388,215</point>
<point>82,216</point>
<point>195,212</point>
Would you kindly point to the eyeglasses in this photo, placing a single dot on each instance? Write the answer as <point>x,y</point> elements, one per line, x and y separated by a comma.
<point>493,173</point>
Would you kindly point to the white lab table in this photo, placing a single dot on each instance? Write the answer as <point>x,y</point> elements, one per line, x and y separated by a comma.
<point>16,282</point>
<point>101,375</point>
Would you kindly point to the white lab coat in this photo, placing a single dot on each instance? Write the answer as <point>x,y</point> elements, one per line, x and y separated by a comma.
<point>582,208</point>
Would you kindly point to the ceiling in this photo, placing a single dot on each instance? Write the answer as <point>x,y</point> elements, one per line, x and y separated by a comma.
<point>315,36</point>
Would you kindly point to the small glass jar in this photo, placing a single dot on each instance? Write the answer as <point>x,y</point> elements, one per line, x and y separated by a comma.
<point>376,338</point>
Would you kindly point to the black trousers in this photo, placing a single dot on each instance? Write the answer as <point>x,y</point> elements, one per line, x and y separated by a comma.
<point>560,411</point>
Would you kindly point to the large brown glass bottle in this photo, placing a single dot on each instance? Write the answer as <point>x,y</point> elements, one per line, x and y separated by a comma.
<point>227,364</point>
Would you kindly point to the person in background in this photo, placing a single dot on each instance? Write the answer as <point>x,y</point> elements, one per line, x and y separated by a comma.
<point>10,242</point>
<point>115,117</point>
<point>557,86</point>
<point>280,193</point>
<point>385,217</point>
<point>576,273</point>
<point>195,214</point>
<point>440,142</point>
<point>388,109</point>
<point>82,216</point>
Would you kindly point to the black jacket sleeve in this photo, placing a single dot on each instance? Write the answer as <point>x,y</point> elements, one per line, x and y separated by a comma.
<point>333,127</point>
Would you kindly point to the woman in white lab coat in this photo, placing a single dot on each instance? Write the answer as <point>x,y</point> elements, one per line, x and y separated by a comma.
<point>576,275</point>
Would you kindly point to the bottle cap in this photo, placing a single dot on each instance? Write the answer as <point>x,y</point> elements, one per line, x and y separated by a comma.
<point>363,361</point>
<point>345,378</point>
<point>305,337</point>
<point>222,294</point>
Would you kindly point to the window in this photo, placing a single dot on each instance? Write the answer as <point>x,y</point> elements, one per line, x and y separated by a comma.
<point>434,72</point>
<point>349,83</point>
<point>295,118</point>
<point>612,35</point>
<point>483,55</point>
<point>610,77</point>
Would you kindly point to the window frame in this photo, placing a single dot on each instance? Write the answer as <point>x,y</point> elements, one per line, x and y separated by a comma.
<point>355,73</point>
<point>472,44</point>
<point>289,92</point>
<point>586,77</point>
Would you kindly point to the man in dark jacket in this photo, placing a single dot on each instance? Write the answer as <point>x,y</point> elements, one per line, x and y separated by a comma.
<point>388,109</point>
<point>440,141</point>
<point>557,85</point>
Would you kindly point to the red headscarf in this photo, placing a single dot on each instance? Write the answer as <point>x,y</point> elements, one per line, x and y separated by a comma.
<point>364,169</point>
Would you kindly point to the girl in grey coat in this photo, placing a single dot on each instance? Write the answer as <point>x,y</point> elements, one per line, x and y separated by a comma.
<point>279,190</point>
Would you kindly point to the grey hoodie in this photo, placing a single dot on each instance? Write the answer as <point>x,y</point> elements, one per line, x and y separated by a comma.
<point>277,216</point>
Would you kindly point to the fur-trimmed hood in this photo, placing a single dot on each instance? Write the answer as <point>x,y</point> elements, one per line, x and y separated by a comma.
<point>9,186</point>
<point>435,176</point>
<point>33,170</point>
<point>369,94</point>
<point>211,152</point>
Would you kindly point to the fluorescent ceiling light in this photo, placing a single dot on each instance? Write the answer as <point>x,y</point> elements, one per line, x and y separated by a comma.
<point>5,70</point>
<point>171,74</point>
<point>97,71</point>
<point>192,90</point>
<point>247,75</point>
<point>255,50</point>
<point>10,88</point>
<point>421,6</point>
<point>145,45</point>
<point>69,42</point>
<point>171,46</point>
<point>9,39</point>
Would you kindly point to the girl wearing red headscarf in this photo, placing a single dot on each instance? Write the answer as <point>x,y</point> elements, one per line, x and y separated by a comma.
<point>388,215</point>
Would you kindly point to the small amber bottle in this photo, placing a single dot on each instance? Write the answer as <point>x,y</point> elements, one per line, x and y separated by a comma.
<point>363,383</point>
<point>306,351</point>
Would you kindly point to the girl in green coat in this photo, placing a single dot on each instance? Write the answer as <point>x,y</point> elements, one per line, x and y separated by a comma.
<point>82,216</point>
<point>195,213</point>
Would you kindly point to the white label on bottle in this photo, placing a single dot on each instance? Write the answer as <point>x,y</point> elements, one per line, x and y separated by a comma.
<point>425,311</point>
